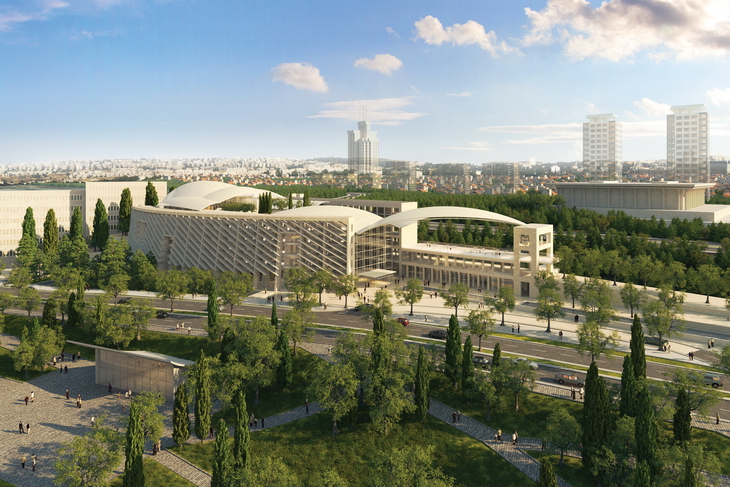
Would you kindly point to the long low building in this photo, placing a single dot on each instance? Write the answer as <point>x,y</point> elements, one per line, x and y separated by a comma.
<point>182,233</point>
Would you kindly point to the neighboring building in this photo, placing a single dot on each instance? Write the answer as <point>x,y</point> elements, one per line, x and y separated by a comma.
<point>602,147</point>
<point>403,169</point>
<point>688,144</point>
<point>14,201</point>
<point>363,151</point>
<point>345,239</point>
<point>499,170</point>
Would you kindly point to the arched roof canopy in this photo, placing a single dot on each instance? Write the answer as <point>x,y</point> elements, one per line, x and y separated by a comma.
<point>405,218</point>
<point>202,194</point>
<point>362,218</point>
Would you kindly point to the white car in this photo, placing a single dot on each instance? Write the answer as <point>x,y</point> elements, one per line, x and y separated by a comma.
<point>533,365</point>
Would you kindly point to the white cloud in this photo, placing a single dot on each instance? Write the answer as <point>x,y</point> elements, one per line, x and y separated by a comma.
<point>463,93</point>
<point>385,111</point>
<point>619,29</point>
<point>653,108</point>
<point>383,63</point>
<point>302,76</point>
<point>591,108</point>
<point>392,33</point>
<point>543,134</point>
<point>431,31</point>
<point>718,96</point>
<point>478,146</point>
<point>86,34</point>
<point>9,18</point>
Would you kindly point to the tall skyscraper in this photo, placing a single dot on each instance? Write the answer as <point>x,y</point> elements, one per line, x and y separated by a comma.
<point>602,150</point>
<point>688,144</point>
<point>362,150</point>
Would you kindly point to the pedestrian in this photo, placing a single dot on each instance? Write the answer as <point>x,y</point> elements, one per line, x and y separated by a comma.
<point>576,318</point>
<point>54,360</point>
<point>154,448</point>
<point>60,369</point>
<point>513,328</point>
<point>211,432</point>
<point>63,354</point>
<point>572,392</point>
<point>581,393</point>
<point>669,348</point>
<point>453,417</point>
<point>717,418</point>
<point>67,395</point>
<point>93,421</point>
<point>518,328</point>
<point>514,438</point>
<point>22,461</point>
<point>26,400</point>
<point>78,355</point>
<point>458,416</point>
<point>27,429</point>
<point>306,405</point>
<point>35,460</point>
<point>32,396</point>
<point>177,326</point>
<point>73,357</point>
<point>20,427</point>
<point>110,387</point>
<point>708,344</point>
<point>560,334</point>
<point>189,330</point>
<point>65,369</point>
<point>262,422</point>
<point>499,435</point>
<point>712,343</point>
<point>664,347</point>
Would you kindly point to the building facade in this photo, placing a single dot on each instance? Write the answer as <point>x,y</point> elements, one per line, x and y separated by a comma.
<point>363,150</point>
<point>602,147</point>
<point>688,144</point>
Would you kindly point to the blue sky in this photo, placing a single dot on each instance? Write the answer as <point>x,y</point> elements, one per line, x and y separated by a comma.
<point>441,81</point>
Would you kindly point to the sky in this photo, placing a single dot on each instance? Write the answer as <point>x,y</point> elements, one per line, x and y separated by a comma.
<point>440,81</point>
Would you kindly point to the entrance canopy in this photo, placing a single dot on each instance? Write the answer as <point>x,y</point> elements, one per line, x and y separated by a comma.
<point>376,274</point>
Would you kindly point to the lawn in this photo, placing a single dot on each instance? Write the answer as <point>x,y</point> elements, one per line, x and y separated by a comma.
<point>156,474</point>
<point>307,447</point>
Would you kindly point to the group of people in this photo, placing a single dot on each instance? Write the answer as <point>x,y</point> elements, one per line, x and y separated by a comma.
<point>498,436</point>
<point>573,391</point>
<point>26,430</point>
<point>181,327</point>
<point>34,461</point>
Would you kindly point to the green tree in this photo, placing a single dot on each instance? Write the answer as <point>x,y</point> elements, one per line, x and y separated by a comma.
<point>562,431</point>
<point>171,285</point>
<point>725,359</point>
<point>290,202</point>
<point>547,474</point>
<point>422,387</point>
<point>597,302</point>
<point>305,200</point>
<point>284,371</point>
<point>28,299</point>
<point>596,416</point>
<point>150,195</point>
<point>642,476</point>
<point>595,341</point>
<point>345,285</point>
<point>113,271</point>
<point>496,356</point>
<point>629,388</point>
<point>142,273</point>
<point>381,301</point>
<point>707,279</point>
<point>572,288</point>
<point>76,230</point>
<point>453,351</point>
<point>134,449</point>
<point>265,472</point>
<point>223,473</point>
<point>100,234</point>
<point>334,386</point>
<point>242,435</point>
<point>49,314</point>
<point>549,300</point>
<point>456,296</point>
<point>638,352</point>
<point>125,211</point>
<point>153,422</point>
<point>274,315</point>
<point>298,325</point>
<point>664,317</point>
<point>646,431</point>
<point>181,416</point>
<point>503,301</point>
<point>50,234</point>
<point>682,421</point>
<point>632,297</point>
<point>20,277</point>
<point>203,404</point>
<point>234,287</point>
<point>411,293</point>
<point>215,330</point>
<point>73,255</point>
<point>467,364</point>
<point>29,228</point>
<point>482,390</point>
<point>141,312</point>
<point>298,281</point>
<point>6,300</point>
<point>481,323</point>
<point>515,377</point>
<point>410,466</point>
<point>322,280</point>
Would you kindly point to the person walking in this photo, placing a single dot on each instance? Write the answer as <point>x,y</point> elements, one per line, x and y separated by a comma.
<point>110,387</point>
<point>22,461</point>
<point>306,405</point>
<point>499,435</point>
<point>712,343</point>
<point>67,395</point>
<point>93,421</point>
<point>32,396</point>
<point>65,369</point>
<point>458,416</point>
<point>264,419</point>
<point>20,427</point>
<point>27,429</point>
<point>717,418</point>
<point>26,400</point>
<point>514,438</point>
<point>35,460</point>
<point>453,417</point>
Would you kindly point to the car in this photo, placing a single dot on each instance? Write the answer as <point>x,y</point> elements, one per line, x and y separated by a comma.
<point>162,314</point>
<point>712,379</point>
<point>480,361</point>
<point>655,341</point>
<point>403,321</point>
<point>440,334</point>
<point>533,365</point>
<point>570,379</point>
<point>364,307</point>
<point>124,300</point>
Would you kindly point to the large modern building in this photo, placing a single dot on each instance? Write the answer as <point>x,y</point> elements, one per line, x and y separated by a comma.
<point>363,152</point>
<point>688,144</point>
<point>14,201</point>
<point>602,147</point>
<point>346,236</point>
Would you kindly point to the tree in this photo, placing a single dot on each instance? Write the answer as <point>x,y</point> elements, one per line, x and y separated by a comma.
<point>453,351</point>
<point>411,293</point>
<point>382,302</point>
<point>152,421</point>
<point>547,474</point>
<point>268,471</point>
<point>572,288</point>
<point>141,312</point>
<point>298,325</point>
<point>467,364</point>
<point>597,303</point>
<point>549,300</point>
<point>632,297</point>
<point>203,403</point>
<point>629,388</point>
<point>665,317</point>
<point>700,397</point>
<point>503,301</point>
<point>290,202</point>
<point>181,416</point>
<point>481,323</point>
<point>725,359</point>
<point>593,340</point>
<point>142,273</point>
<point>305,200</point>
<point>6,300</point>
<point>638,352</point>
<point>29,223</point>
<point>646,431</point>
<point>215,330</point>
<point>234,287</point>
<point>112,270</point>
<point>171,285</point>
<point>457,295</point>
<point>642,476</point>
<point>223,474</point>
<point>496,356</point>
<point>125,211</point>
<point>150,195</point>
<point>515,377</point>
<point>49,313</point>
<point>682,421</point>
<point>562,431</point>
<point>611,263</point>
<point>707,279</point>
<point>284,371</point>
<point>410,466</point>
<point>76,230</point>
<point>322,280</point>
<point>133,469</point>
<point>100,234</point>
<point>596,416</point>
<point>334,386</point>
<point>421,387</point>
<point>345,285</point>
<point>89,460</point>
<point>482,389</point>
<point>242,435</point>
<point>298,281</point>
<point>73,255</point>
<point>28,299</point>
<point>50,234</point>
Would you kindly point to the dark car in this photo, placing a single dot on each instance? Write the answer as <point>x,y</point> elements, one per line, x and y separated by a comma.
<point>403,321</point>
<point>655,341</point>
<point>570,379</point>
<point>478,360</point>
<point>124,300</point>
<point>440,334</point>
<point>364,307</point>
<point>162,314</point>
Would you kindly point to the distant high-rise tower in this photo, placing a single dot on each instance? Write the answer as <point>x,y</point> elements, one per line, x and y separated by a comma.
<point>602,151</point>
<point>688,144</point>
<point>362,149</point>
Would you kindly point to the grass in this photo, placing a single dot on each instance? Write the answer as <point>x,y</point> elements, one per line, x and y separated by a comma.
<point>571,470</point>
<point>5,484</point>
<point>155,474</point>
<point>307,447</point>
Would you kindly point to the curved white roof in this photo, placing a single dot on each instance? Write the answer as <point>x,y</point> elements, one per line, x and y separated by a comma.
<point>201,194</point>
<point>362,218</point>
<point>404,218</point>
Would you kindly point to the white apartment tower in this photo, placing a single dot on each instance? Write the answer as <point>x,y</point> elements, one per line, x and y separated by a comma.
<point>602,150</point>
<point>688,144</point>
<point>362,150</point>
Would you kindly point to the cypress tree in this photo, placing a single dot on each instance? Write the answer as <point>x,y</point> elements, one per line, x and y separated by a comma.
<point>642,476</point>
<point>547,475</point>
<point>629,388</point>
<point>646,431</point>
<point>453,351</point>
<point>378,321</point>
<point>49,314</point>
<point>596,415</point>
<point>133,469</point>
<point>422,383</point>
<point>80,305</point>
<point>290,203</point>
<point>638,352</point>
<point>150,195</point>
<point>306,201</point>
<point>222,459</point>
<point>467,364</point>
<point>496,355</point>
<point>682,421</point>
<point>213,320</point>
<point>100,234</point>
<point>180,416</point>
<point>274,316</point>
<point>125,211</point>
<point>76,231</point>
<point>202,397</point>
<point>29,223</point>
<point>689,477</point>
<point>284,370</point>
<point>50,233</point>
<point>72,316</point>
<point>242,438</point>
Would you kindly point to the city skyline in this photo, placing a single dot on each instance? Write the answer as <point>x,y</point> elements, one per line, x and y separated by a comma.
<point>463,81</point>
